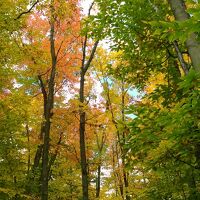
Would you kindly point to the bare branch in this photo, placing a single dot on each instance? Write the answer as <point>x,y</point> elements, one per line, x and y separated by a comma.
<point>84,50</point>
<point>90,8</point>
<point>84,47</point>
<point>59,48</point>
<point>86,66</point>
<point>28,11</point>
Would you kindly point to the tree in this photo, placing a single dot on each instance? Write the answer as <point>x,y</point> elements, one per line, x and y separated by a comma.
<point>81,122</point>
<point>58,24</point>
<point>179,10</point>
<point>168,62</point>
<point>116,91</point>
<point>84,67</point>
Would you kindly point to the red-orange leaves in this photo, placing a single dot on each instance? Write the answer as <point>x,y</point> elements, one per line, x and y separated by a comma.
<point>66,18</point>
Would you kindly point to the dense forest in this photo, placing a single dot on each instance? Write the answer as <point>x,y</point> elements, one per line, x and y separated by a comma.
<point>100,102</point>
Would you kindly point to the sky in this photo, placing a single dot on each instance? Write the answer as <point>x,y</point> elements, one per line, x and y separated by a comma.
<point>85,4</point>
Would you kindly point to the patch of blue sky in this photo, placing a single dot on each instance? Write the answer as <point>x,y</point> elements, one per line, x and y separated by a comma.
<point>106,80</point>
<point>133,92</point>
<point>132,116</point>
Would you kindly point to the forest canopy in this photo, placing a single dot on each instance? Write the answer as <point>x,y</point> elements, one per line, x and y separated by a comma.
<point>99,100</point>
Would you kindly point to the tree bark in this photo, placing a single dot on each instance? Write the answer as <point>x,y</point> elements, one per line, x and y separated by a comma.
<point>179,10</point>
<point>38,154</point>
<point>100,145</point>
<point>98,181</point>
<point>84,67</point>
<point>125,174</point>
<point>82,140</point>
<point>48,115</point>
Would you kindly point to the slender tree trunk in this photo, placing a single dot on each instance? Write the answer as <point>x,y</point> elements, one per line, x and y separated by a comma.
<point>179,10</point>
<point>29,150</point>
<point>98,183</point>
<point>37,158</point>
<point>45,160</point>
<point>119,173</point>
<point>82,140</point>
<point>125,174</point>
<point>48,116</point>
<point>84,67</point>
<point>38,154</point>
<point>100,145</point>
<point>126,184</point>
<point>54,155</point>
<point>113,169</point>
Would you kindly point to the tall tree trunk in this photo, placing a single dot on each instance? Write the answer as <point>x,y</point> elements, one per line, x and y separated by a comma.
<point>179,10</point>
<point>113,169</point>
<point>119,173</point>
<point>125,174</point>
<point>48,115</point>
<point>38,154</point>
<point>122,176</point>
<point>193,45</point>
<point>84,67</point>
<point>82,139</point>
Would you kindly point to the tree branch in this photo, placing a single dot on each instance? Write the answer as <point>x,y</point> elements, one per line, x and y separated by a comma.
<point>54,155</point>
<point>180,58</point>
<point>85,41</point>
<point>86,66</point>
<point>59,49</point>
<point>28,11</point>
